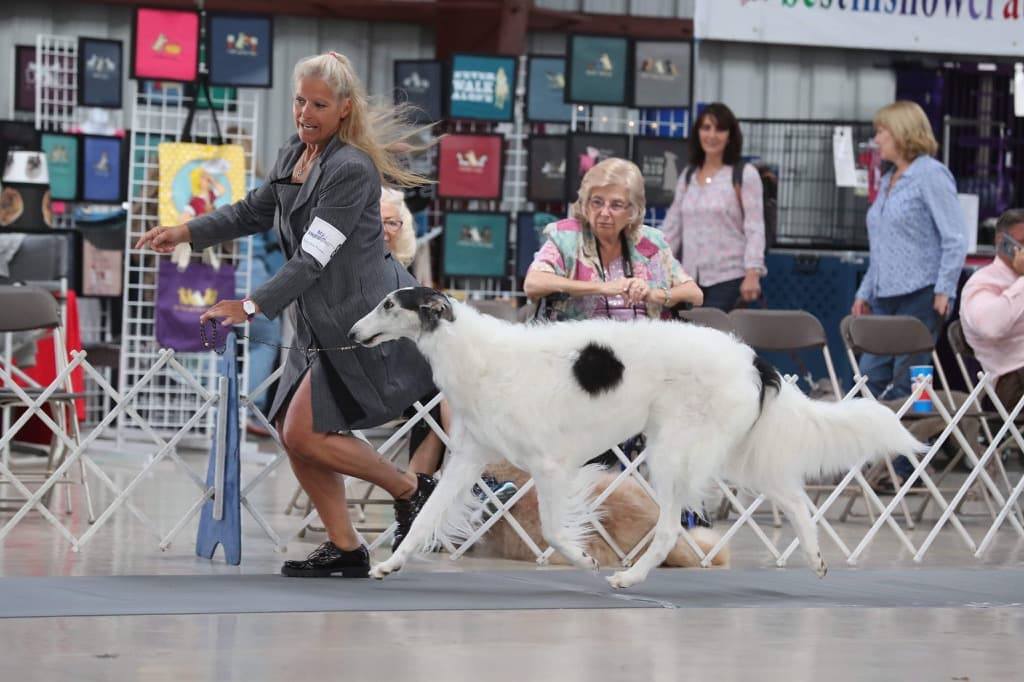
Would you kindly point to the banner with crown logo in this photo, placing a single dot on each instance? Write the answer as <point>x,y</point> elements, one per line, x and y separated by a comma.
<point>470,167</point>
<point>182,296</point>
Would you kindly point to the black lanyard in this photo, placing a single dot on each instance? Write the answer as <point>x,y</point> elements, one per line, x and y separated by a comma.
<point>627,268</point>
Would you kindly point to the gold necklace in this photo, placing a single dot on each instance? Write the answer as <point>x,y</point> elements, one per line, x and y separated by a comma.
<point>301,168</point>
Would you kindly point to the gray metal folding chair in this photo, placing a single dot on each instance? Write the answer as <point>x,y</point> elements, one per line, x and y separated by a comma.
<point>904,335</point>
<point>786,331</point>
<point>31,309</point>
<point>709,317</point>
<point>501,309</point>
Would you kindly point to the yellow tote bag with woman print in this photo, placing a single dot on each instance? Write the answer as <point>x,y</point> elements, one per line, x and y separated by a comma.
<point>198,178</point>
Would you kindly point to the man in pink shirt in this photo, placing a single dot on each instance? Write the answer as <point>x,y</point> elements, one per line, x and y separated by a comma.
<point>992,311</point>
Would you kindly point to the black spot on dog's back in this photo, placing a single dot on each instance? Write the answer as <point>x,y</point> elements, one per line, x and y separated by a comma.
<point>769,376</point>
<point>597,369</point>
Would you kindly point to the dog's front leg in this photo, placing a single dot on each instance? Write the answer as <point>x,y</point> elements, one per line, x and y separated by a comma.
<point>466,465</point>
<point>553,487</point>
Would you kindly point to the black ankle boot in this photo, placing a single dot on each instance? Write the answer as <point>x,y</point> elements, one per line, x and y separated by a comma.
<point>327,560</point>
<point>407,510</point>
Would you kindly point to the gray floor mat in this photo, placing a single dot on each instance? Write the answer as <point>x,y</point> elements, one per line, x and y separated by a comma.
<point>499,590</point>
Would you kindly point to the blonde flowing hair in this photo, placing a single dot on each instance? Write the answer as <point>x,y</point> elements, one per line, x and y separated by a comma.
<point>384,131</point>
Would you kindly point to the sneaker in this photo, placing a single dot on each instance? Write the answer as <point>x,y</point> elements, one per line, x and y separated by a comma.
<point>504,492</point>
<point>327,560</point>
<point>406,511</point>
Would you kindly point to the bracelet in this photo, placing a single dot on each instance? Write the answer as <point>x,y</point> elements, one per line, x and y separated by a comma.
<point>668,297</point>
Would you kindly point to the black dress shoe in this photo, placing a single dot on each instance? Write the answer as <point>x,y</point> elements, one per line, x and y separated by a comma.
<point>407,510</point>
<point>327,560</point>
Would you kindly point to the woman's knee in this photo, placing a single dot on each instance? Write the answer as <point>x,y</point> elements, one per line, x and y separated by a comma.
<point>298,440</point>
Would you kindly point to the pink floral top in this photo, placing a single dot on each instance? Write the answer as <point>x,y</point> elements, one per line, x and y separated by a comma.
<point>571,251</point>
<point>718,240</point>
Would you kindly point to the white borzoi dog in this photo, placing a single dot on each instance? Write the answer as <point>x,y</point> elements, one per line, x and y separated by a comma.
<point>550,397</point>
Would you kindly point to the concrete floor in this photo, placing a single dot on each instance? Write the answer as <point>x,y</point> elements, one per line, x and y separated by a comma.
<point>757,643</point>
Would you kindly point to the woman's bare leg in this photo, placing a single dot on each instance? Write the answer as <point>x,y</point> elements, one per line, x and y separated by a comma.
<point>318,458</point>
<point>427,457</point>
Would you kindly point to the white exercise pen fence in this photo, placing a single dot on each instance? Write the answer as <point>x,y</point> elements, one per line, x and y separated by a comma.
<point>158,115</point>
<point>170,399</point>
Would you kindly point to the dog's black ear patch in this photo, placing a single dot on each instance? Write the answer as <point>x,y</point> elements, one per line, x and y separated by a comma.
<point>434,307</point>
<point>597,369</point>
<point>770,377</point>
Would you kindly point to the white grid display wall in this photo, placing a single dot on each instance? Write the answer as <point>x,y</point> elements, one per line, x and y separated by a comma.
<point>57,111</point>
<point>166,402</point>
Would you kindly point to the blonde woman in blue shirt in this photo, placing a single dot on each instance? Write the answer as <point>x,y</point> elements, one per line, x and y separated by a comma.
<point>916,237</point>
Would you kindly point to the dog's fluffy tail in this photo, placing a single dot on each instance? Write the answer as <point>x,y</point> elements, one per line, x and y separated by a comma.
<point>799,438</point>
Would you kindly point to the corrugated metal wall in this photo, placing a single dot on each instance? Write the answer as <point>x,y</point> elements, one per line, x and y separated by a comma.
<point>778,81</point>
<point>371,47</point>
<point>756,80</point>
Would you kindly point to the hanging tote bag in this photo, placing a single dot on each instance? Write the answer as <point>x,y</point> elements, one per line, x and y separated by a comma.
<point>182,296</point>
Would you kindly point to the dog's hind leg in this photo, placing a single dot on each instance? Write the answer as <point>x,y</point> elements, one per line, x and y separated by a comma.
<point>467,463</point>
<point>796,510</point>
<point>553,495</point>
<point>665,479</point>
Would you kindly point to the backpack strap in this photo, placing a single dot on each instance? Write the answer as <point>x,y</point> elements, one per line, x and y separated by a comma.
<point>688,175</point>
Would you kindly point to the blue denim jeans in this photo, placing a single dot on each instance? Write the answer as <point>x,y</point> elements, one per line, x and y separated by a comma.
<point>723,295</point>
<point>889,375</point>
<point>262,358</point>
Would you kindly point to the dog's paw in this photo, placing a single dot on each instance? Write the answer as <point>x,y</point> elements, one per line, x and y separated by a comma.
<point>384,569</point>
<point>620,580</point>
<point>820,568</point>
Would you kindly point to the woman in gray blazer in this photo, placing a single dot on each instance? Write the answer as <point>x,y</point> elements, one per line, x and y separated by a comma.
<point>322,197</point>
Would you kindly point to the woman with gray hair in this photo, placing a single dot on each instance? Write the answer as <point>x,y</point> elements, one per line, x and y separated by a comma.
<point>603,261</point>
<point>323,198</point>
<point>399,234</point>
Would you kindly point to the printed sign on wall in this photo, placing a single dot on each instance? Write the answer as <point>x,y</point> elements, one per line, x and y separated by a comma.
<point>470,167</point>
<point>62,162</point>
<point>482,87</point>
<point>240,48</point>
<point>546,156</point>
<point>100,67</point>
<point>475,244</point>
<point>420,83</point>
<point>598,70</point>
<point>661,74</point>
<point>661,160</point>
<point>103,169</point>
<point>165,44</point>
<point>588,150</point>
<point>545,91</point>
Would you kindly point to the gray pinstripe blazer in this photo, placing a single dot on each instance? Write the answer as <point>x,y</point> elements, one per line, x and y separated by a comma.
<point>351,389</point>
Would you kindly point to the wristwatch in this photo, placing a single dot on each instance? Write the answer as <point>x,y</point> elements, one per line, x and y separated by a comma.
<point>249,307</point>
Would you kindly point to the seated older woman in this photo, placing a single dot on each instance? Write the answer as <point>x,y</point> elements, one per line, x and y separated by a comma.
<point>399,234</point>
<point>603,260</point>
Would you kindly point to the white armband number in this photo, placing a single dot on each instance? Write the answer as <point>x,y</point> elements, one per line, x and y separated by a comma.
<point>322,240</point>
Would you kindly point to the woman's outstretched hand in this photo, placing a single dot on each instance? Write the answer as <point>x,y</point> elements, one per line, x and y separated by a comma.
<point>164,239</point>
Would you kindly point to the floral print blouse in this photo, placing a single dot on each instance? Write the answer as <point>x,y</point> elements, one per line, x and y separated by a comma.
<point>571,251</point>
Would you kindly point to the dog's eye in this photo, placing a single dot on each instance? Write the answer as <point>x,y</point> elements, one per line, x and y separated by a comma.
<point>388,305</point>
